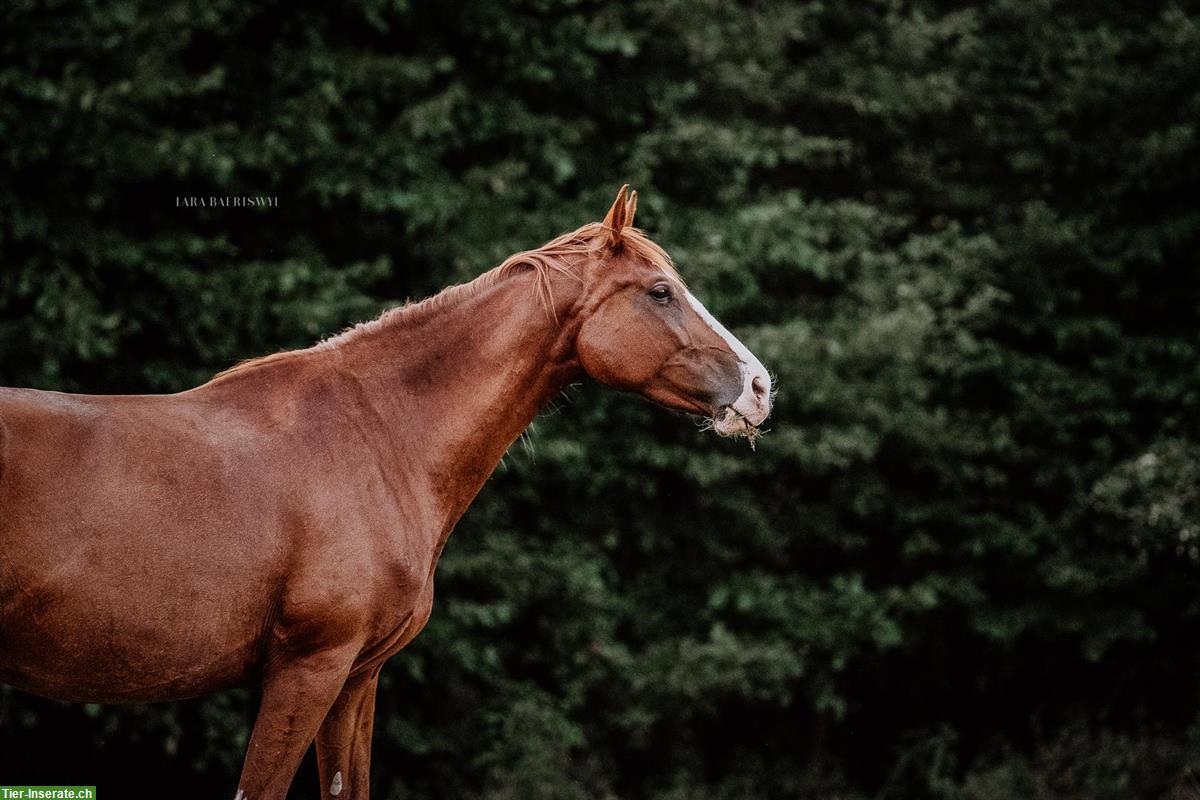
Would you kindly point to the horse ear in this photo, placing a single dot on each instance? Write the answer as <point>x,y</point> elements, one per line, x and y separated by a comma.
<point>616,220</point>
<point>631,208</point>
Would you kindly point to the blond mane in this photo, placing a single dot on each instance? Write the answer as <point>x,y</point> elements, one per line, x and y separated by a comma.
<point>562,255</point>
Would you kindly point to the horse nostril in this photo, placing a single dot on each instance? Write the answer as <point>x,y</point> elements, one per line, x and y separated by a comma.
<point>759,388</point>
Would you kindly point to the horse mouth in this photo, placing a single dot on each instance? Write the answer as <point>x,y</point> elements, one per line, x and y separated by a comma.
<point>727,422</point>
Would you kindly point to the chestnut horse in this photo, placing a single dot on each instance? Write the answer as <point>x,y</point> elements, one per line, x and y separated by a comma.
<point>281,523</point>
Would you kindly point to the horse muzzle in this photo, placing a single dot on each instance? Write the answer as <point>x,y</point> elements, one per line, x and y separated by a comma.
<point>753,405</point>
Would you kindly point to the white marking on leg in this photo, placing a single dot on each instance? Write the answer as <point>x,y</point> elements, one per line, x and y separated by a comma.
<point>335,788</point>
<point>240,795</point>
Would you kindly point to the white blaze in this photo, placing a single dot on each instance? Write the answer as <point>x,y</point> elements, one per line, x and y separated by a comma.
<point>753,405</point>
<point>335,788</point>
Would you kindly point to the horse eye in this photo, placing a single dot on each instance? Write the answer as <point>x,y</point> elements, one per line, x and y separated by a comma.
<point>661,293</point>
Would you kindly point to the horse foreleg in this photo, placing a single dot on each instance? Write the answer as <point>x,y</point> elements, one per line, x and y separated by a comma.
<point>344,740</point>
<point>297,694</point>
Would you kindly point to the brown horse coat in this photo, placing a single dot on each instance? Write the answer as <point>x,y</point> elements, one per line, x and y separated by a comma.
<point>281,523</point>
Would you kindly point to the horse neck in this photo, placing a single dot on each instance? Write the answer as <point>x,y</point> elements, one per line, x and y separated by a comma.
<point>458,383</point>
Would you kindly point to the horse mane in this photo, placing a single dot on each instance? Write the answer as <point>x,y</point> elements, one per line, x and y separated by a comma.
<point>563,255</point>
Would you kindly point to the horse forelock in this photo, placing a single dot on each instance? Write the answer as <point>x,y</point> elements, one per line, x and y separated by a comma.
<point>564,255</point>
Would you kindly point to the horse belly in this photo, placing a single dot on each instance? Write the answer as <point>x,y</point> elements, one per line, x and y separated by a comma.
<point>75,653</point>
<point>102,624</point>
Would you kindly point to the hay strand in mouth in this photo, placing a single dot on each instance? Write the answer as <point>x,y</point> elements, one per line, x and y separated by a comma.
<point>752,434</point>
<point>732,425</point>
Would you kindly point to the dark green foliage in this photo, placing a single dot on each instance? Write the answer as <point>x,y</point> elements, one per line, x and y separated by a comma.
<point>963,564</point>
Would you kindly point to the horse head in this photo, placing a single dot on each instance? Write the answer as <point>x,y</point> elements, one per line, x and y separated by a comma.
<point>643,331</point>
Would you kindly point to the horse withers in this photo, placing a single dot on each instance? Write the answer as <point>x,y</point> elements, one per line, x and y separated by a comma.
<point>280,524</point>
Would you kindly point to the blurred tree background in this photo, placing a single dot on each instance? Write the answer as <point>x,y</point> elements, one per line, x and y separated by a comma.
<point>965,562</point>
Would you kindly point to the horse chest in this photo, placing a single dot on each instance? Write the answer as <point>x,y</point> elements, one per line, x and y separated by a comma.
<point>398,632</point>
